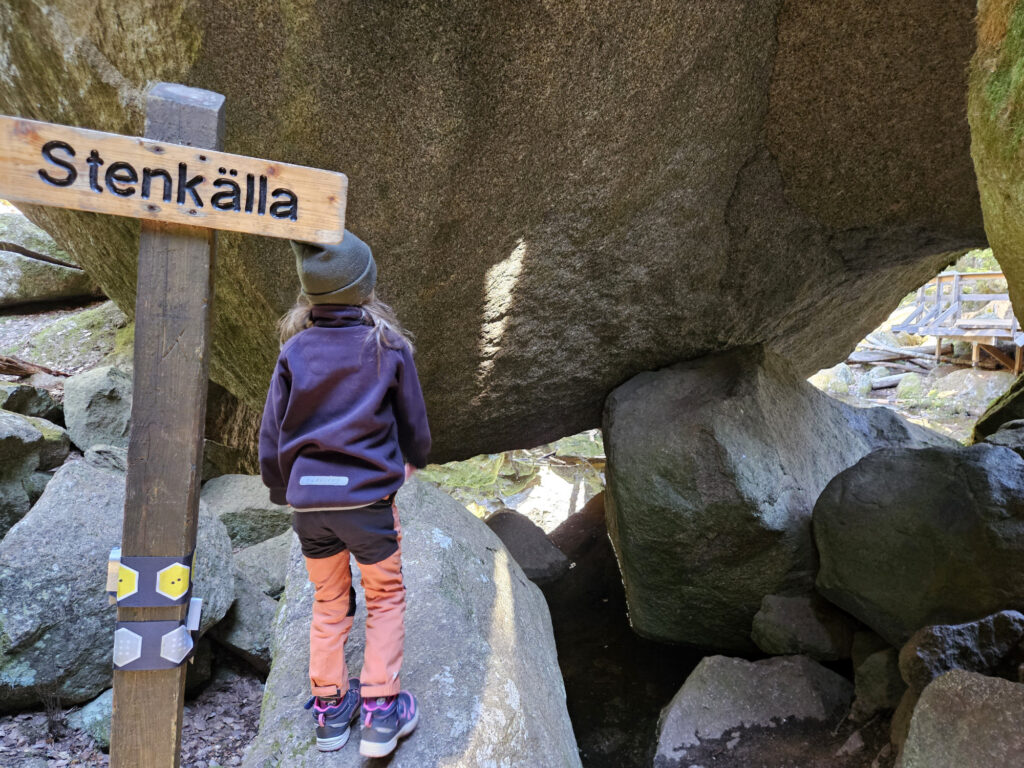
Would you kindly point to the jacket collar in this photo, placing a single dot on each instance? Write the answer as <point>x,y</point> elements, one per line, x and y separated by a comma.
<point>336,315</point>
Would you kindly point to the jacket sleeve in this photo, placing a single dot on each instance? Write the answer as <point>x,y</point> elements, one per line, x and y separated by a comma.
<point>411,412</point>
<point>270,431</point>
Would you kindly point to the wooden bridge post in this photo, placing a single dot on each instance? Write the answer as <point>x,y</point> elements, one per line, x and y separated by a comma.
<point>165,451</point>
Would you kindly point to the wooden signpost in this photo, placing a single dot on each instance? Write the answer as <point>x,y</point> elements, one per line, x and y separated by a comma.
<point>183,188</point>
<point>160,180</point>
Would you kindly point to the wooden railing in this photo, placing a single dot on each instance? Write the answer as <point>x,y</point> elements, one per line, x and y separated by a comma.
<point>939,309</point>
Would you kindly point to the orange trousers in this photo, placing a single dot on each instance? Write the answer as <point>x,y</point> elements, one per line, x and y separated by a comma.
<point>384,591</point>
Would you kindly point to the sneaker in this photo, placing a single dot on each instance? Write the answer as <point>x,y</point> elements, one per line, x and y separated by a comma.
<point>386,720</point>
<point>333,717</point>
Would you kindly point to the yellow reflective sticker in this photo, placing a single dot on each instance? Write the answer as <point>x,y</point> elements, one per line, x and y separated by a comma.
<point>172,581</point>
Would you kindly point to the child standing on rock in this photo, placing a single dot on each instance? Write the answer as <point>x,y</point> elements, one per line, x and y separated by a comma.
<point>344,408</point>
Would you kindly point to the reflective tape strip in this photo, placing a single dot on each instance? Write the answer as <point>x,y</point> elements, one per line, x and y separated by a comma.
<point>323,480</point>
<point>142,645</point>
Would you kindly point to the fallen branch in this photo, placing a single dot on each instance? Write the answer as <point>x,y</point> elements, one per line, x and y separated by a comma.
<point>13,366</point>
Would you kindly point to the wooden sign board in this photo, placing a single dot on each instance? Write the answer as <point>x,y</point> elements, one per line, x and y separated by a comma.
<point>67,167</point>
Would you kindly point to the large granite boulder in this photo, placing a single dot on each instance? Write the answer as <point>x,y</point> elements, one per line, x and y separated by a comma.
<point>910,537</point>
<point>479,654</point>
<point>25,279</point>
<point>28,447</point>
<point>628,166</point>
<point>967,720</point>
<point>713,469</point>
<point>56,625</point>
<point>727,703</point>
<point>242,502</point>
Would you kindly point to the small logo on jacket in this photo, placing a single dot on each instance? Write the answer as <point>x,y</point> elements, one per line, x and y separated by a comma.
<point>323,480</point>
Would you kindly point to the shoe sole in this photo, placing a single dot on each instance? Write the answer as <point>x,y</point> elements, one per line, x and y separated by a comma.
<point>383,749</point>
<point>333,744</point>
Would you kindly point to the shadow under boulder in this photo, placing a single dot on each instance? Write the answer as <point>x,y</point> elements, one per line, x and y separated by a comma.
<point>616,682</point>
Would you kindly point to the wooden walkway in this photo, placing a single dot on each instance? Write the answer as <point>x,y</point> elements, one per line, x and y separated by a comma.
<point>940,310</point>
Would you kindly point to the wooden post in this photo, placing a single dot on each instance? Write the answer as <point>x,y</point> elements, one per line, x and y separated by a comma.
<point>165,451</point>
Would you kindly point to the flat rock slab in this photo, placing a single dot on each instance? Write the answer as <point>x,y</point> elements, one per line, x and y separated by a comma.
<point>967,720</point>
<point>736,701</point>
<point>479,655</point>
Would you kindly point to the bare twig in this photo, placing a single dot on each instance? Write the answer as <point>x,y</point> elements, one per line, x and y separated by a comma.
<point>13,366</point>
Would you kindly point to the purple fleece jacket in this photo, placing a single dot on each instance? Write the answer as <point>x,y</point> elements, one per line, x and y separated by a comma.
<point>340,416</point>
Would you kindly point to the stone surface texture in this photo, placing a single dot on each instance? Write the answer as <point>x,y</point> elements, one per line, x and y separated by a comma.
<point>98,407</point>
<point>27,445</point>
<point>266,563</point>
<point>910,537</point>
<point>713,468</point>
<point>247,628</point>
<point>802,625</point>
<point>479,654</point>
<point>30,401</point>
<point>965,719</point>
<point>631,163</point>
<point>56,625</point>
<point>541,561</point>
<point>730,696</point>
<point>989,646</point>
<point>243,504</point>
<point>877,684</point>
<point>94,718</point>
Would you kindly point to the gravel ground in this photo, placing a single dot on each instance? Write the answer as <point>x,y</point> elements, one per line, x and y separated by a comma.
<point>218,725</point>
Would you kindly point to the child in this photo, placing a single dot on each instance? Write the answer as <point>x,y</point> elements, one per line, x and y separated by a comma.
<point>343,409</point>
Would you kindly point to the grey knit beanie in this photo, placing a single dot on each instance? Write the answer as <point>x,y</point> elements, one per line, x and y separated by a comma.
<point>336,274</point>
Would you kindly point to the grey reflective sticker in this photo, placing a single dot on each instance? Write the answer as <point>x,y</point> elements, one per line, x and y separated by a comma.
<point>323,480</point>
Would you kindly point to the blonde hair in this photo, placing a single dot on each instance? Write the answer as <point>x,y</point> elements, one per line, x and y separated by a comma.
<point>387,330</point>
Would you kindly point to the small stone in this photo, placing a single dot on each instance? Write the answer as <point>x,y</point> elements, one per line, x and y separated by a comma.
<point>97,407</point>
<point>94,718</point>
<point>877,684</point>
<point>803,624</point>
